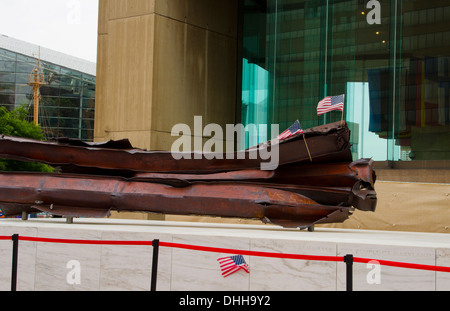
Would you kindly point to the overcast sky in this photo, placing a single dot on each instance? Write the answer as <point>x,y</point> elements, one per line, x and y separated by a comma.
<point>67,26</point>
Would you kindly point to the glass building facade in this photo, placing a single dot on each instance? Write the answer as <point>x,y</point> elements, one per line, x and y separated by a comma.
<point>67,103</point>
<point>391,58</point>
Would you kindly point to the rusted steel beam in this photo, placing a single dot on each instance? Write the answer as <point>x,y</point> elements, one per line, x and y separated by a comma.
<point>323,183</point>
<point>225,176</point>
<point>115,176</point>
<point>324,142</point>
<point>95,196</point>
<point>324,173</point>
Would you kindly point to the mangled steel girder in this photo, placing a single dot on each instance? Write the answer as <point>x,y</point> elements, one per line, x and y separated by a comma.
<point>324,142</point>
<point>327,183</point>
<point>115,176</point>
<point>94,196</point>
<point>322,174</point>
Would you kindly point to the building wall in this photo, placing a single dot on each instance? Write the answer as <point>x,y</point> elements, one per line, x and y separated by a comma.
<point>48,266</point>
<point>162,62</point>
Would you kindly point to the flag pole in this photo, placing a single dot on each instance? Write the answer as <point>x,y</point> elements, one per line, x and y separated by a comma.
<point>343,109</point>
<point>307,148</point>
<point>294,129</point>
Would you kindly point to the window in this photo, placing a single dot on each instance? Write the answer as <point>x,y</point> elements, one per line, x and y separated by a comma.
<point>67,102</point>
<point>391,59</point>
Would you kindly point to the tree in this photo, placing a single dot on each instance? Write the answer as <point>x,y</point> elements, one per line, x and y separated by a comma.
<point>14,123</point>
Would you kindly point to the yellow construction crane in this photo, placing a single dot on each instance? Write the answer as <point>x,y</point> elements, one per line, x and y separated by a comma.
<point>36,80</point>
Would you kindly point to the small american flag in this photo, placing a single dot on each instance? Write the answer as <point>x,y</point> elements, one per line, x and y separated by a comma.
<point>232,264</point>
<point>296,128</point>
<point>331,103</point>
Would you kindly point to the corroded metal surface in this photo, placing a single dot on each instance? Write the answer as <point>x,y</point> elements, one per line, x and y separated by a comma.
<point>93,196</point>
<point>322,141</point>
<point>96,178</point>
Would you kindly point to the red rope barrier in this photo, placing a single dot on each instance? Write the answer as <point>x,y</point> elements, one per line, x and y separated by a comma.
<point>237,252</point>
<point>403,265</point>
<point>88,242</point>
<point>251,253</point>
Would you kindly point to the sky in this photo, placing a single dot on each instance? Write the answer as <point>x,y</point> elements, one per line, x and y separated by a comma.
<point>67,26</point>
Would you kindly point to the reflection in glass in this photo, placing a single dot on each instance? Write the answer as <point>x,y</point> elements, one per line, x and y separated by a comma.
<point>391,59</point>
<point>67,99</point>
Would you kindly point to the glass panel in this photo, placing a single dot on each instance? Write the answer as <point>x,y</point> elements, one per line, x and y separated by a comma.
<point>26,59</point>
<point>23,99</point>
<point>25,67</point>
<point>68,132</point>
<point>71,90</point>
<point>61,102</point>
<point>50,68</point>
<point>58,112</point>
<point>88,90</point>
<point>391,58</point>
<point>7,66</point>
<point>297,52</point>
<point>50,90</point>
<point>24,89</point>
<point>7,88</point>
<point>7,55</point>
<point>7,101</point>
<point>23,78</point>
<point>255,76</point>
<point>61,122</point>
<point>87,124</point>
<point>87,135</point>
<point>70,73</point>
<point>89,103</point>
<point>88,113</point>
<point>52,78</point>
<point>254,100</point>
<point>424,106</point>
<point>65,92</point>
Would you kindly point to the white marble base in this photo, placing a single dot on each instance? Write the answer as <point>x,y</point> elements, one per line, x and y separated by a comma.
<point>44,266</point>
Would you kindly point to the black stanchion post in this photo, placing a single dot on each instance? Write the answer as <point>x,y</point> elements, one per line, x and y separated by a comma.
<point>15,254</point>
<point>155,245</point>
<point>348,259</point>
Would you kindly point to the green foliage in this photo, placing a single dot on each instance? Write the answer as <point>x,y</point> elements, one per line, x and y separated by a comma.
<point>14,123</point>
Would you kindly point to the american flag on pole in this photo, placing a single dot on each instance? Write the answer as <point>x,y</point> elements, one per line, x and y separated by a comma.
<point>232,264</point>
<point>331,103</point>
<point>296,128</point>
